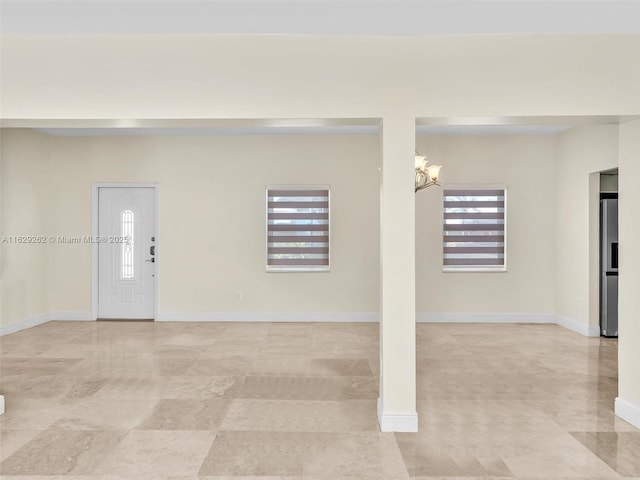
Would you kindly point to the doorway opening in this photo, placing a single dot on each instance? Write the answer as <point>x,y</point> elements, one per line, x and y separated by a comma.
<point>609,253</point>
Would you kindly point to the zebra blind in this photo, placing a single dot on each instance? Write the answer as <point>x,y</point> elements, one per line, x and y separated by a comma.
<point>474,229</point>
<point>297,229</point>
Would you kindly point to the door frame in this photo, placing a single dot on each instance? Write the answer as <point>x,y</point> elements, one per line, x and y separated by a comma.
<point>95,187</point>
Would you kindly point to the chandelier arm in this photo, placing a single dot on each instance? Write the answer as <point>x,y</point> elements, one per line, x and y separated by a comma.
<point>425,185</point>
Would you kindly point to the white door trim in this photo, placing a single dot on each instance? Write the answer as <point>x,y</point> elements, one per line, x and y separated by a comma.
<point>94,233</point>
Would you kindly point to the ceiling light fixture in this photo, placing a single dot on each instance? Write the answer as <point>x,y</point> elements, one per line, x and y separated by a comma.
<point>426,176</point>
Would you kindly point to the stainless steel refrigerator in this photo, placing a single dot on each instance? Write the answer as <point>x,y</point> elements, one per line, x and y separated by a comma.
<point>609,267</point>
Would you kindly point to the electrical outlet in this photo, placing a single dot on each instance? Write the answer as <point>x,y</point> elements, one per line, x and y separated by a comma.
<point>238,295</point>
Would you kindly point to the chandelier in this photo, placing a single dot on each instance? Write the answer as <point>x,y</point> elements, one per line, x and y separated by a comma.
<point>426,176</point>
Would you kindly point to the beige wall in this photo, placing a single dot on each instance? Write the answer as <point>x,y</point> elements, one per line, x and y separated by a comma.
<point>212,218</point>
<point>25,201</point>
<point>582,153</point>
<point>629,298</point>
<point>211,201</point>
<point>218,76</point>
<point>527,287</point>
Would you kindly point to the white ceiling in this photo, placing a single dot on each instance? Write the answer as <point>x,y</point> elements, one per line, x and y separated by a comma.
<point>318,17</point>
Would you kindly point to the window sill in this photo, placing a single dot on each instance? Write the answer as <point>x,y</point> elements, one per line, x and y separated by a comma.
<point>297,270</point>
<point>474,270</point>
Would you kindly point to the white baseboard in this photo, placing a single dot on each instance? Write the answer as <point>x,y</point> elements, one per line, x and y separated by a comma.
<point>44,318</point>
<point>549,318</point>
<point>485,318</point>
<point>24,324</point>
<point>267,317</point>
<point>628,412</point>
<point>350,317</point>
<point>72,316</point>
<point>397,421</point>
<point>578,327</point>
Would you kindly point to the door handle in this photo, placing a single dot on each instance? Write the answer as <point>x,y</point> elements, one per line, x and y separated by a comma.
<point>153,260</point>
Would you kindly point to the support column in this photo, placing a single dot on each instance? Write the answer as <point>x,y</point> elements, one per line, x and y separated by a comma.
<point>397,402</point>
<point>628,402</point>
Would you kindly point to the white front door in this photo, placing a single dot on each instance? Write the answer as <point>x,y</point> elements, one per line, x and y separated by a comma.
<point>126,252</point>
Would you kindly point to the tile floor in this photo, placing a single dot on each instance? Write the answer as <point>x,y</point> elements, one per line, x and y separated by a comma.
<point>105,401</point>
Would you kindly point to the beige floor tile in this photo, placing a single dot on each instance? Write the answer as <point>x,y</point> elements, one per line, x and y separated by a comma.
<point>161,453</point>
<point>356,455</point>
<point>342,367</point>
<point>250,334</point>
<point>280,367</point>
<point>29,414</point>
<point>227,366</point>
<point>204,328</point>
<point>226,477</point>
<point>480,416</point>
<point>49,386</point>
<point>24,350</point>
<point>179,351</point>
<point>200,387</point>
<point>551,455</point>
<point>309,388</point>
<point>61,452</point>
<point>343,350</point>
<point>495,401</point>
<point>104,413</point>
<point>451,455</point>
<point>224,349</point>
<point>40,337</point>
<point>36,366</point>
<point>291,328</point>
<point>135,366</point>
<point>132,387</point>
<point>186,415</point>
<point>190,339</point>
<point>619,450</point>
<point>95,477</point>
<point>292,388</point>
<point>12,440</point>
<point>305,477</point>
<point>507,478</point>
<point>362,388</point>
<point>302,416</point>
<point>292,352</point>
<point>285,340</point>
<point>255,454</point>
<point>583,414</point>
<point>67,350</point>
